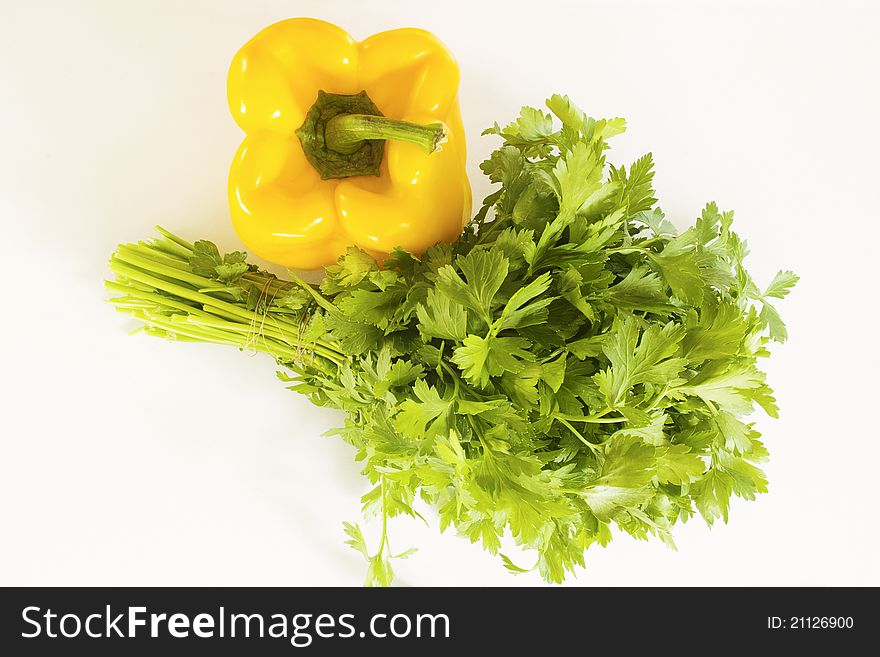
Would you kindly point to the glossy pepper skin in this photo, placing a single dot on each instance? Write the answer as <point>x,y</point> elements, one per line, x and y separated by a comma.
<point>281,208</point>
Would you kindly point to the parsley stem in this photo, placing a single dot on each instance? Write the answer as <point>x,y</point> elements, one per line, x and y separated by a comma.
<point>384,540</point>
<point>651,240</point>
<point>626,249</point>
<point>636,248</point>
<point>145,278</point>
<point>201,332</point>
<point>456,379</point>
<point>170,328</point>
<point>490,228</point>
<point>659,398</point>
<point>317,296</point>
<point>174,238</point>
<point>126,255</point>
<point>598,418</point>
<point>157,255</point>
<point>596,448</point>
<point>142,295</point>
<point>238,334</point>
<point>173,288</point>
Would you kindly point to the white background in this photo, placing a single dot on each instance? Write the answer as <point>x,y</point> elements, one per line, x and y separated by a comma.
<point>130,460</point>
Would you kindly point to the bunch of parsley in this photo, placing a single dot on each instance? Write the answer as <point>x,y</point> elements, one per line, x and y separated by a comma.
<point>571,363</point>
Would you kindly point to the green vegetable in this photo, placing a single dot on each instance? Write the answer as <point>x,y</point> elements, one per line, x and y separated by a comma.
<point>572,363</point>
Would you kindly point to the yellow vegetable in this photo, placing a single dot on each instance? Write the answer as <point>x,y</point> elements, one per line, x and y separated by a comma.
<point>313,174</point>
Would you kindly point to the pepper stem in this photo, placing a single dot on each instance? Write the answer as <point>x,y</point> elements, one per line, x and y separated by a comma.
<point>346,133</point>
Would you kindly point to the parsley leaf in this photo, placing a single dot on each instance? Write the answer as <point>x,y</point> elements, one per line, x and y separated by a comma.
<point>571,364</point>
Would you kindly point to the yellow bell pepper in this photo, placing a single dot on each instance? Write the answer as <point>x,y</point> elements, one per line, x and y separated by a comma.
<point>319,169</point>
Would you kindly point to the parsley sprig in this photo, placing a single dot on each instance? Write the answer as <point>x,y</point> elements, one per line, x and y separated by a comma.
<point>571,363</point>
